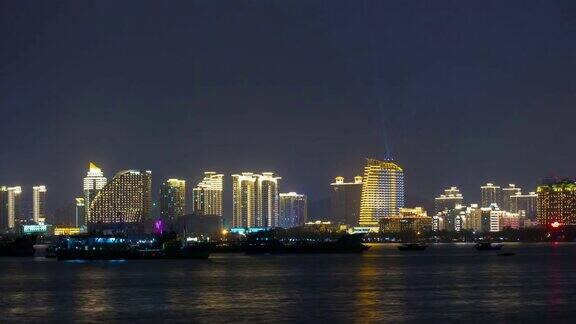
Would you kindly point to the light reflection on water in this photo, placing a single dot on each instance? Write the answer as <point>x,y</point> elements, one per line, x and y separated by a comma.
<point>445,283</point>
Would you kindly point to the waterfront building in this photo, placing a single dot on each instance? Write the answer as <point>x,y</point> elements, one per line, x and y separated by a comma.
<point>510,220</point>
<point>459,218</point>
<point>125,199</point>
<point>524,203</point>
<point>79,212</point>
<point>67,231</point>
<point>39,204</point>
<point>13,205</point>
<point>556,203</point>
<point>93,183</point>
<point>267,199</point>
<point>507,194</point>
<point>293,210</point>
<point>207,196</point>
<point>3,208</point>
<point>474,217</point>
<point>345,201</point>
<point>382,192</point>
<point>438,222</point>
<point>408,219</point>
<point>172,199</point>
<point>244,200</point>
<point>449,200</point>
<point>490,194</point>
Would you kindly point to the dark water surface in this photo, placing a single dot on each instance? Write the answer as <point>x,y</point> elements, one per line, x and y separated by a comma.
<point>446,283</point>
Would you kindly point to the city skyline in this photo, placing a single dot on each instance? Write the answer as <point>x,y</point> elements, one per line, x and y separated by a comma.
<point>95,178</point>
<point>371,88</point>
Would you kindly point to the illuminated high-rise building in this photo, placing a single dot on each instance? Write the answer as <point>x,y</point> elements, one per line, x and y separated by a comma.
<point>172,199</point>
<point>507,193</point>
<point>14,205</point>
<point>490,194</point>
<point>127,198</point>
<point>93,182</point>
<point>449,200</point>
<point>382,192</point>
<point>266,199</point>
<point>293,210</point>
<point>3,208</point>
<point>524,204</point>
<point>556,203</point>
<point>79,212</point>
<point>244,200</point>
<point>345,201</point>
<point>207,196</point>
<point>39,203</point>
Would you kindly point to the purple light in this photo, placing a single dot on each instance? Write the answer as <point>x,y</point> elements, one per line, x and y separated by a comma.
<point>159,226</point>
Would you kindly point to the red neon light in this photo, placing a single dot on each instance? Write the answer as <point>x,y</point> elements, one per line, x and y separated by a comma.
<point>555,224</point>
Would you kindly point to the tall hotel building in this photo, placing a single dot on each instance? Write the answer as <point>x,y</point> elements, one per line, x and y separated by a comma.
<point>127,198</point>
<point>382,192</point>
<point>267,200</point>
<point>14,205</point>
<point>79,212</point>
<point>293,210</point>
<point>490,194</point>
<point>93,183</point>
<point>39,203</point>
<point>507,193</point>
<point>207,196</point>
<point>557,203</point>
<point>255,200</point>
<point>449,200</point>
<point>3,208</point>
<point>244,200</point>
<point>524,204</point>
<point>172,199</point>
<point>345,201</point>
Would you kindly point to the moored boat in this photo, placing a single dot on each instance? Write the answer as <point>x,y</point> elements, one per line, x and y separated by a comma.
<point>412,247</point>
<point>18,247</point>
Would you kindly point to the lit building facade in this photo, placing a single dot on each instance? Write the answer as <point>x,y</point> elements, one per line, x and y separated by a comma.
<point>382,192</point>
<point>127,198</point>
<point>459,218</point>
<point>293,210</point>
<point>172,199</point>
<point>409,219</point>
<point>345,201</point>
<point>14,205</point>
<point>244,200</point>
<point>255,200</point>
<point>79,212</point>
<point>556,203</point>
<point>490,194</point>
<point>524,203</point>
<point>3,208</point>
<point>207,196</point>
<point>93,183</point>
<point>507,193</point>
<point>267,199</point>
<point>39,203</point>
<point>449,200</point>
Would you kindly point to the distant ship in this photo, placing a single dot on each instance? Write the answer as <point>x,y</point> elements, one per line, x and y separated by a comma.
<point>488,246</point>
<point>117,247</point>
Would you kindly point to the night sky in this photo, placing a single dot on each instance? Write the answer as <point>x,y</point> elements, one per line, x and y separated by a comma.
<point>458,92</point>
